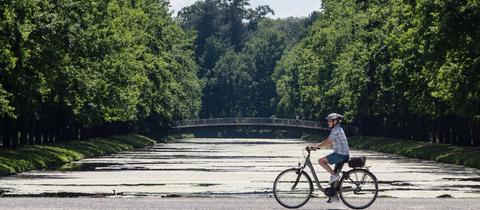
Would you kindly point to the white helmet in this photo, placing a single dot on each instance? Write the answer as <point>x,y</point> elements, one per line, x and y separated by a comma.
<point>334,116</point>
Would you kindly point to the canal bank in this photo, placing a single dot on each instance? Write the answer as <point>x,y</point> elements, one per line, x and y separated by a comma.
<point>466,156</point>
<point>30,157</point>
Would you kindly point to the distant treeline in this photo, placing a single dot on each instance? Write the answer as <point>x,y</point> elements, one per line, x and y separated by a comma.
<point>397,68</point>
<point>237,49</point>
<point>74,69</point>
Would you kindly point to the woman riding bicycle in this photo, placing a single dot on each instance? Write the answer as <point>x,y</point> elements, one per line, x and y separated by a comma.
<point>338,141</point>
<point>357,188</point>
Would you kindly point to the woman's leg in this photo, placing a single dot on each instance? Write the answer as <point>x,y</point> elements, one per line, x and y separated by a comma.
<point>324,163</point>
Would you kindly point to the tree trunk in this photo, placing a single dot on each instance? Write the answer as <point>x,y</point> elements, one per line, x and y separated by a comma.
<point>10,131</point>
<point>422,124</point>
<point>441,129</point>
<point>476,133</point>
<point>83,133</point>
<point>1,130</point>
<point>44,128</point>
<point>23,130</point>
<point>422,129</point>
<point>440,135</point>
<point>7,134</point>
<point>446,131</point>
<point>451,131</point>
<point>468,133</point>
<point>457,131</point>
<point>408,129</point>
<point>66,130</point>
<point>435,138</point>
<point>49,130</point>
<point>59,126</point>
<point>70,130</point>
<point>38,131</point>
<point>14,132</point>
<point>74,131</point>
<point>362,125</point>
<point>31,130</point>
<point>413,124</point>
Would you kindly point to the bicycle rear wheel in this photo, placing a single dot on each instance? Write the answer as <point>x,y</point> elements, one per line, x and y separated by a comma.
<point>292,189</point>
<point>358,188</point>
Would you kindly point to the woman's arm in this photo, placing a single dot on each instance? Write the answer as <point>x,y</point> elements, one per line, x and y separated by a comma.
<point>325,143</point>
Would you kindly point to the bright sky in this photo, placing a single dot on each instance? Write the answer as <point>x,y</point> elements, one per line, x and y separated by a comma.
<point>282,8</point>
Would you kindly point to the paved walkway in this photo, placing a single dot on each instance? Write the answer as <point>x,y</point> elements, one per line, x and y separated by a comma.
<point>220,203</point>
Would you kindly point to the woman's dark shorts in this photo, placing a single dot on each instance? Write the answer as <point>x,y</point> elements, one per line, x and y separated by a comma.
<point>335,158</point>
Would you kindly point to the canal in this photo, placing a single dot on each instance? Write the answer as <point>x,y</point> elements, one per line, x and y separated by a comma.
<point>229,167</point>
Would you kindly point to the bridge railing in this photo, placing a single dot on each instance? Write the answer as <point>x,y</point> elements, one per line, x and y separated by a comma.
<point>349,129</point>
<point>249,121</point>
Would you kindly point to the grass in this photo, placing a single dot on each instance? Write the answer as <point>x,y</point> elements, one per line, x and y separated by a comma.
<point>25,158</point>
<point>467,156</point>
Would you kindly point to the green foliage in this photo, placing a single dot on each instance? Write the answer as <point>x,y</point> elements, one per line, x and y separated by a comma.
<point>311,64</point>
<point>229,85</point>
<point>96,62</point>
<point>237,49</point>
<point>387,61</point>
<point>264,49</point>
<point>5,108</point>
<point>227,20</point>
<point>26,158</point>
<point>286,76</point>
<point>467,156</point>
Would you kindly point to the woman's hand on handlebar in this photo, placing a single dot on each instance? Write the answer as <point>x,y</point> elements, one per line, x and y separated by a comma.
<point>310,148</point>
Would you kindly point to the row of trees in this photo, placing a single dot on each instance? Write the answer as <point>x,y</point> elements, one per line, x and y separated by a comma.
<point>237,49</point>
<point>74,69</point>
<point>404,69</point>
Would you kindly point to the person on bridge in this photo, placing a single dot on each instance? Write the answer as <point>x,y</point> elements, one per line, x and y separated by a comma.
<point>338,141</point>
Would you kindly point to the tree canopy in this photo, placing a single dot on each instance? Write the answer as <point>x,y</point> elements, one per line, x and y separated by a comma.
<point>67,65</point>
<point>237,48</point>
<point>397,68</point>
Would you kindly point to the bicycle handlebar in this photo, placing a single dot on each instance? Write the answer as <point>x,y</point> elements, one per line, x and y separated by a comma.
<point>309,149</point>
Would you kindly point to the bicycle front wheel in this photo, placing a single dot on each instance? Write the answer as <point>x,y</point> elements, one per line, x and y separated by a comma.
<point>292,188</point>
<point>358,188</point>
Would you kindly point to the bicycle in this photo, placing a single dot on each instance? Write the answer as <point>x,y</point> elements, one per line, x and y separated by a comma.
<point>357,188</point>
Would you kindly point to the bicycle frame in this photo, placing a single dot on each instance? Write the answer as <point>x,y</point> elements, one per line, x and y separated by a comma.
<point>308,163</point>
<point>301,167</point>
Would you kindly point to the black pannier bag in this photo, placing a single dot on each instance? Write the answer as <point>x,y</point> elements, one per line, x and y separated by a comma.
<point>356,162</point>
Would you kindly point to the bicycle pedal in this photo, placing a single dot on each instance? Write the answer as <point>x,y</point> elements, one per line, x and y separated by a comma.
<point>333,199</point>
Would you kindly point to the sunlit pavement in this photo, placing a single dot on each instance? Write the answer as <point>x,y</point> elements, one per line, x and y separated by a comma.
<point>230,168</point>
<point>221,203</point>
